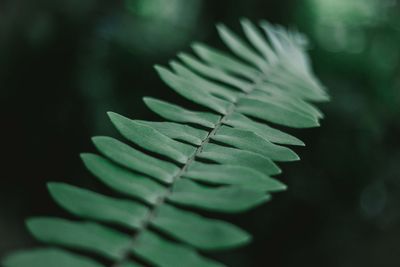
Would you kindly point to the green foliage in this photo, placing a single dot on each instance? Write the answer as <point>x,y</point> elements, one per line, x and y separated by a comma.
<point>219,159</point>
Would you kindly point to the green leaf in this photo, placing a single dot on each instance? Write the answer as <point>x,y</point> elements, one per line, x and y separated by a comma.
<point>48,257</point>
<point>163,253</point>
<point>250,141</point>
<point>178,131</point>
<point>229,199</point>
<point>151,139</point>
<point>273,36</point>
<point>275,95</point>
<point>238,46</point>
<point>123,180</point>
<point>210,234</point>
<point>232,175</point>
<point>205,85</point>
<point>259,42</point>
<point>229,155</point>
<point>135,160</point>
<point>303,87</point>
<point>273,112</point>
<point>176,113</point>
<point>80,235</point>
<point>273,135</point>
<point>91,205</point>
<point>225,62</point>
<point>190,91</point>
<point>213,73</point>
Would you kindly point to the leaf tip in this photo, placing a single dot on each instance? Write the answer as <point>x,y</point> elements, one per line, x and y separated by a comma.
<point>247,238</point>
<point>94,139</point>
<point>182,55</point>
<point>221,27</point>
<point>300,143</point>
<point>282,187</point>
<point>244,21</point>
<point>30,224</point>
<point>147,99</point>
<point>275,185</point>
<point>174,64</point>
<point>118,120</point>
<point>160,69</point>
<point>295,157</point>
<point>198,47</point>
<point>112,115</point>
<point>85,156</point>
<point>99,139</point>
<point>53,186</point>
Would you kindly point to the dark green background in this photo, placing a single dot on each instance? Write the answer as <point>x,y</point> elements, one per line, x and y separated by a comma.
<point>64,63</point>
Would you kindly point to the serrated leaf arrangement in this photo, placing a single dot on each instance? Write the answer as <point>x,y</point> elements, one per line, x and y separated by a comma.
<point>219,158</point>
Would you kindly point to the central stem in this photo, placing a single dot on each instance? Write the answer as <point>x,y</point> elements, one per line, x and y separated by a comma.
<point>153,212</point>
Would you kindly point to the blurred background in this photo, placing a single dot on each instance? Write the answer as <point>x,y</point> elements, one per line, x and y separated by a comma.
<point>64,63</point>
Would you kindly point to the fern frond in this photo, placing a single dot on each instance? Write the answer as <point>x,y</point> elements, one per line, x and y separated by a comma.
<point>220,158</point>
